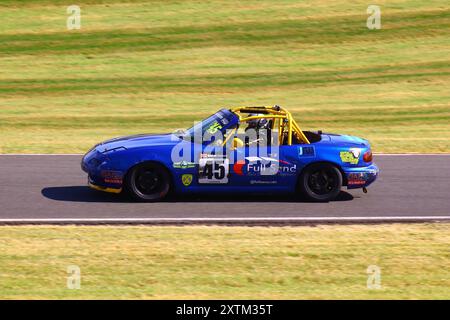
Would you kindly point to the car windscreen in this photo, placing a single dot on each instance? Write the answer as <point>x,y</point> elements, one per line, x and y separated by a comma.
<point>216,122</point>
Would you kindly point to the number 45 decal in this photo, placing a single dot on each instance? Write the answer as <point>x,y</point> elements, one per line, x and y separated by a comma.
<point>213,170</point>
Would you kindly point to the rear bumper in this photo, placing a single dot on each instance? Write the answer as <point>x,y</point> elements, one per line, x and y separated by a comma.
<point>361,177</point>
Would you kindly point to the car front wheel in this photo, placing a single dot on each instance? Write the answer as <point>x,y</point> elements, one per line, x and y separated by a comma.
<point>148,182</point>
<point>320,182</point>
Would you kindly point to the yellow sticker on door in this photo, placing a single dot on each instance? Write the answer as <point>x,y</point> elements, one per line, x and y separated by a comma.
<point>186,179</point>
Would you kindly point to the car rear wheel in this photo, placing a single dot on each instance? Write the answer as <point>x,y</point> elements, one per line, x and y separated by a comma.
<point>148,182</point>
<point>320,182</point>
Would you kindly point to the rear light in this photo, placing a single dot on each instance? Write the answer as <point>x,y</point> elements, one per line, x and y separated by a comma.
<point>367,157</point>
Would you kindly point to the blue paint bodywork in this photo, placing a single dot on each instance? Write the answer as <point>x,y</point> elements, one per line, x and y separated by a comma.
<point>108,162</point>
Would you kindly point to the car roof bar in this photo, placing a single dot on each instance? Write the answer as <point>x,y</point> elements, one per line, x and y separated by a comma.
<point>274,112</point>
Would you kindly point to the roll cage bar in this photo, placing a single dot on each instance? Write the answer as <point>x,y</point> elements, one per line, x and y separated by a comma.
<point>287,127</point>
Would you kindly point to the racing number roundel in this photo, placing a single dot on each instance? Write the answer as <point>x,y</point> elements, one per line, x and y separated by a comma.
<point>213,170</point>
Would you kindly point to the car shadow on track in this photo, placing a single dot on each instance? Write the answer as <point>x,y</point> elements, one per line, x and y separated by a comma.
<point>80,194</point>
<point>86,194</point>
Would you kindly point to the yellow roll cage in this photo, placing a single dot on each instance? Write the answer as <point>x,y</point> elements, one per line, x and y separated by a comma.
<point>287,127</point>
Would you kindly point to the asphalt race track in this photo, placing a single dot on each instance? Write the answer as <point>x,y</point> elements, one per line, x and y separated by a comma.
<point>52,189</point>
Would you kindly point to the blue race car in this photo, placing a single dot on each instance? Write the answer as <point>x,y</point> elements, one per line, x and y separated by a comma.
<point>238,150</point>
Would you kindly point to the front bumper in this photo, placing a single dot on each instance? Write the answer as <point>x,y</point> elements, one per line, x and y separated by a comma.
<point>100,174</point>
<point>361,177</point>
<point>105,189</point>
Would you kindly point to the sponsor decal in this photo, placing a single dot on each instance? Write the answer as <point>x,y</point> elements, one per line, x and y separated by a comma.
<point>271,169</point>
<point>356,182</point>
<point>306,151</point>
<point>183,165</point>
<point>186,179</point>
<point>263,182</point>
<point>238,167</point>
<point>263,166</point>
<point>351,156</point>
<point>357,179</point>
<point>110,176</point>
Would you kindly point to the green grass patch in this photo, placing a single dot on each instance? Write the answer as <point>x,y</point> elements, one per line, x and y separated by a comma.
<point>325,262</point>
<point>155,66</point>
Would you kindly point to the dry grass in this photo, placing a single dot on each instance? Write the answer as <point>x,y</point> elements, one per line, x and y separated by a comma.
<point>150,66</point>
<point>326,262</point>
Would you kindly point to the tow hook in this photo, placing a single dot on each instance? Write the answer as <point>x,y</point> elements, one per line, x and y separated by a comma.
<point>364,189</point>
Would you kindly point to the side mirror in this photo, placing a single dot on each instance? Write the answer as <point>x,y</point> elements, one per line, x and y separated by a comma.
<point>179,133</point>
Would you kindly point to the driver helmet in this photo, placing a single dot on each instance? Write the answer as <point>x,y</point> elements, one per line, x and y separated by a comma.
<point>257,123</point>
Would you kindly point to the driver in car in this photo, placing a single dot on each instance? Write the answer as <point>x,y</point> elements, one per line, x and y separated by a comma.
<point>257,131</point>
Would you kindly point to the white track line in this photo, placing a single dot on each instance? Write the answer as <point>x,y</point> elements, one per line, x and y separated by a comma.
<point>225,220</point>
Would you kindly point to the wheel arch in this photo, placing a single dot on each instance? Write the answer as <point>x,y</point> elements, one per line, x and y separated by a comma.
<point>344,176</point>
<point>171,182</point>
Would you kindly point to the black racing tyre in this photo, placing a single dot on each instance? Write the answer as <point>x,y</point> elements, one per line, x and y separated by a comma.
<point>147,182</point>
<point>320,182</point>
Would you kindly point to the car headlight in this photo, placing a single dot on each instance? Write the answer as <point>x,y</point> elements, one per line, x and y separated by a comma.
<point>95,162</point>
